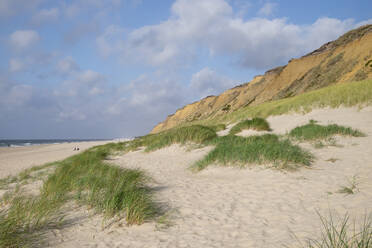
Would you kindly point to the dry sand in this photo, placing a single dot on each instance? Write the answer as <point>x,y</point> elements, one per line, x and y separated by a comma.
<point>15,159</point>
<point>230,207</point>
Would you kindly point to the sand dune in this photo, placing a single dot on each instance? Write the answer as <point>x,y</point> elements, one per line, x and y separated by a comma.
<point>230,207</point>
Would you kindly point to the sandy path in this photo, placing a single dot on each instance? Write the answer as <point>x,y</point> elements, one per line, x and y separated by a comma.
<point>254,207</point>
<point>15,159</point>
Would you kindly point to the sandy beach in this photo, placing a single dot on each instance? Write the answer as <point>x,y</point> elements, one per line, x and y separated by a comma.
<point>15,159</point>
<point>223,206</point>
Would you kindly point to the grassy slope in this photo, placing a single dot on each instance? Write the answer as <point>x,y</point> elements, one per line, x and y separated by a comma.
<point>346,94</point>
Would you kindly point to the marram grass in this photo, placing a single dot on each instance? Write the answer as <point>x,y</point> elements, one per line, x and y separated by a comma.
<point>109,189</point>
<point>195,134</point>
<point>258,124</point>
<point>85,177</point>
<point>340,233</point>
<point>313,131</point>
<point>229,149</point>
<point>218,127</point>
<point>268,148</point>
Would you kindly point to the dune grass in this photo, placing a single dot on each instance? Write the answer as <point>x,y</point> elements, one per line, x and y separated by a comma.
<point>217,127</point>
<point>235,150</point>
<point>22,224</point>
<point>195,134</point>
<point>86,178</point>
<point>313,131</point>
<point>109,189</point>
<point>343,234</point>
<point>258,124</point>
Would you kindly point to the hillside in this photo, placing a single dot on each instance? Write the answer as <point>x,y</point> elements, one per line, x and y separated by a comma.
<point>344,60</point>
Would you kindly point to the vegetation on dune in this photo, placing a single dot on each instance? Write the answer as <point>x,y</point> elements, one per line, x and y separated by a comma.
<point>345,94</point>
<point>229,149</point>
<point>218,127</point>
<point>86,178</point>
<point>109,189</point>
<point>22,223</point>
<point>196,134</point>
<point>343,234</point>
<point>258,124</point>
<point>114,191</point>
<point>313,131</point>
<point>235,150</point>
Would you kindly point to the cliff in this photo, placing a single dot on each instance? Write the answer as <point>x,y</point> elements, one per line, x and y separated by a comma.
<point>344,60</point>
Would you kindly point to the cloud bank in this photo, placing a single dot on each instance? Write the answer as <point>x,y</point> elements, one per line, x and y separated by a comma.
<point>258,42</point>
<point>48,92</point>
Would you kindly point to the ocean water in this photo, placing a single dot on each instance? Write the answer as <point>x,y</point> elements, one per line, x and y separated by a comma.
<point>30,142</point>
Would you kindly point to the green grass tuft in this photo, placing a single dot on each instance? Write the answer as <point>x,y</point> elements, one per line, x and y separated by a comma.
<point>22,223</point>
<point>255,149</point>
<point>343,234</point>
<point>351,188</point>
<point>195,134</point>
<point>258,124</point>
<point>218,127</point>
<point>313,131</point>
<point>109,189</point>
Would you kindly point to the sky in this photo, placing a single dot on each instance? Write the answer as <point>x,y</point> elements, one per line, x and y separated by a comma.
<point>115,68</point>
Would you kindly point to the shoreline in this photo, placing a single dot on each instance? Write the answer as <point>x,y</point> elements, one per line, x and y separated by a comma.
<point>7,143</point>
<point>15,159</point>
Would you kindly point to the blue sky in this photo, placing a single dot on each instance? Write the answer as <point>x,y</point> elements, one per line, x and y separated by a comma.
<point>115,68</point>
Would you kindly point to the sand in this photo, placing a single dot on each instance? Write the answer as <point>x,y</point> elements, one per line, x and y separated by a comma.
<point>230,207</point>
<point>15,159</point>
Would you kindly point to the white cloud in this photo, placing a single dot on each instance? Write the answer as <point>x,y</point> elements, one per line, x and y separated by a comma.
<point>19,94</point>
<point>268,9</point>
<point>81,84</point>
<point>15,65</point>
<point>148,98</point>
<point>90,77</point>
<point>46,15</point>
<point>23,39</point>
<point>14,95</point>
<point>67,66</point>
<point>95,91</point>
<point>110,40</point>
<point>257,43</point>
<point>208,82</point>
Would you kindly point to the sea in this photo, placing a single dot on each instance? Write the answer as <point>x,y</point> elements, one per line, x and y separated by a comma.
<point>31,142</point>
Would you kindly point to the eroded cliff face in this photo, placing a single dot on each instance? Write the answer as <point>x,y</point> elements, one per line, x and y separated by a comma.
<point>344,60</point>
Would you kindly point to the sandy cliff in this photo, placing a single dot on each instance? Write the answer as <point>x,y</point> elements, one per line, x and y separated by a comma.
<point>346,59</point>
